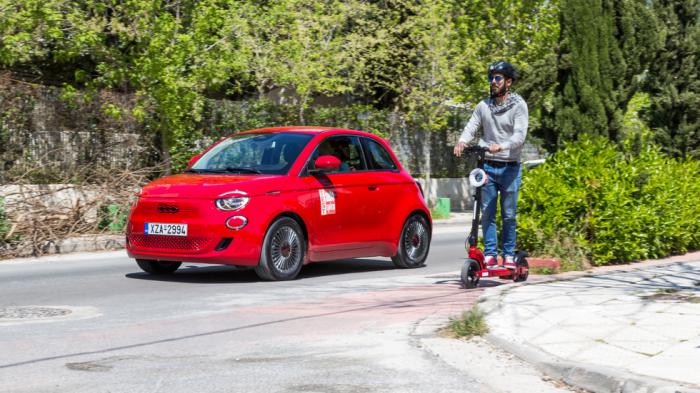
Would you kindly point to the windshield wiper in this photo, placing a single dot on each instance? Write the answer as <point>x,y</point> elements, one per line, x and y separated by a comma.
<point>228,169</point>
<point>242,170</point>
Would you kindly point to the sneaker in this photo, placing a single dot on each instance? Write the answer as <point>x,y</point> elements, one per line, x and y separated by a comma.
<point>491,262</point>
<point>509,262</point>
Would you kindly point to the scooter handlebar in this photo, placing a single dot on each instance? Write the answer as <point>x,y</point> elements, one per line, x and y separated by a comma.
<point>475,149</point>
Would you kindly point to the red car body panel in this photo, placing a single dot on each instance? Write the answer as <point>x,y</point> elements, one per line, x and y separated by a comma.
<point>371,207</point>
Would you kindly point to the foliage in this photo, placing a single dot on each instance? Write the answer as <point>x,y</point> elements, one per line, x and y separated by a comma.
<point>633,127</point>
<point>226,117</point>
<point>471,323</point>
<point>4,223</point>
<point>395,55</point>
<point>605,46</point>
<point>673,80</point>
<point>581,62</point>
<point>605,204</point>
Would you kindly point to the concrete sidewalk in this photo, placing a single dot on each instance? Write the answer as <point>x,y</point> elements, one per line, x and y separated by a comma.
<point>632,328</point>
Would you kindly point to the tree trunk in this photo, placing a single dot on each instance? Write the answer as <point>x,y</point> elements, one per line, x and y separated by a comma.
<point>165,152</point>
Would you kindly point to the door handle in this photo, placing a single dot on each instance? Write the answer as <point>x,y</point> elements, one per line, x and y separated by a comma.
<point>372,188</point>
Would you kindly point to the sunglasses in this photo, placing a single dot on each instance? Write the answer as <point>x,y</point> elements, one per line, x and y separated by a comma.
<point>497,78</point>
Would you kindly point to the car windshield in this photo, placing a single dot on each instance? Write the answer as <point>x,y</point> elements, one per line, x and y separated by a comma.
<point>264,153</point>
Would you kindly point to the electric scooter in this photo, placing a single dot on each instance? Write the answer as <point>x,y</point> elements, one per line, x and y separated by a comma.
<point>474,267</point>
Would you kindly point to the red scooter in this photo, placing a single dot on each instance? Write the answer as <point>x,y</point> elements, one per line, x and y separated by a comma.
<point>474,268</point>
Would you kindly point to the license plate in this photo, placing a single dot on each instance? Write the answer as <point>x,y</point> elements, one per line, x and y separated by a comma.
<point>156,228</point>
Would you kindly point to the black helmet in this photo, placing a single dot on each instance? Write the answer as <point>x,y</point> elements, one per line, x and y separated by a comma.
<point>505,68</point>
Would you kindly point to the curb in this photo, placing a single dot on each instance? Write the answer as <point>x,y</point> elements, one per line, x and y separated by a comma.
<point>591,377</point>
<point>550,263</point>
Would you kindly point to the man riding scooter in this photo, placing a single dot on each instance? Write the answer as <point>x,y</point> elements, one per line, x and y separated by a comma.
<point>504,119</point>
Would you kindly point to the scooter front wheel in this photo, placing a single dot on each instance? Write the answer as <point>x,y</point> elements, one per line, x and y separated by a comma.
<point>470,273</point>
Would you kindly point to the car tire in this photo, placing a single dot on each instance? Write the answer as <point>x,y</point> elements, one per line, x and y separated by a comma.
<point>414,243</point>
<point>158,267</point>
<point>283,251</point>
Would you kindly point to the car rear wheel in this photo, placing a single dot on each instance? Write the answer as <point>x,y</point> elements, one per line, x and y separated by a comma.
<point>157,267</point>
<point>522,270</point>
<point>283,251</point>
<point>414,243</point>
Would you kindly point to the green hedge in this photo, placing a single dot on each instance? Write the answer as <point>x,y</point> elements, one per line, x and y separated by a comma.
<point>595,203</point>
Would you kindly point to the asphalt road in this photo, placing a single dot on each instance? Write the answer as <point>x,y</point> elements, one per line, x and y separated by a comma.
<point>96,323</point>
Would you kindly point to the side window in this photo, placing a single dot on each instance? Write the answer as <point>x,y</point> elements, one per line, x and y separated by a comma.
<point>346,149</point>
<point>377,156</point>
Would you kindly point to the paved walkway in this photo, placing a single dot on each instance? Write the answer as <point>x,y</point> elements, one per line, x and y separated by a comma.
<point>633,328</point>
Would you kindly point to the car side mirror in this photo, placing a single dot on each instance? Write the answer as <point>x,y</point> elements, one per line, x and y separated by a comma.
<point>326,164</point>
<point>193,160</point>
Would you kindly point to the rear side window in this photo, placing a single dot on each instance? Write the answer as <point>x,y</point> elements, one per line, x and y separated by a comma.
<point>377,156</point>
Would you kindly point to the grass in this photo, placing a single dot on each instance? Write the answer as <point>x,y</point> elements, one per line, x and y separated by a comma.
<point>471,323</point>
<point>436,214</point>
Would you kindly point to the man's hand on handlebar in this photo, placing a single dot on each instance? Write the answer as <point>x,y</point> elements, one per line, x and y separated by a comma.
<point>459,147</point>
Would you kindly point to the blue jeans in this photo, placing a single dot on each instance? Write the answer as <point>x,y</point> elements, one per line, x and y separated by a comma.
<point>506,181</point>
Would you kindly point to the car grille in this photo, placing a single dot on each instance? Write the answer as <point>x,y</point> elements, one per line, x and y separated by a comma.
<point>169,243</point>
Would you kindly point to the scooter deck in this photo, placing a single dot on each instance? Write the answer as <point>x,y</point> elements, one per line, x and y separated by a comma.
<point>498,272</point>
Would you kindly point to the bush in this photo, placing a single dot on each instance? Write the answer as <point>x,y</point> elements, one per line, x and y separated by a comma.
<point>592,202</point>
<point>113,217</point>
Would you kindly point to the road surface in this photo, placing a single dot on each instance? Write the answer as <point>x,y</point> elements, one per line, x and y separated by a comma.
<point>96,323</point>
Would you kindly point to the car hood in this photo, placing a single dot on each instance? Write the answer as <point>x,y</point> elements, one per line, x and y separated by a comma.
<point>210,186</point>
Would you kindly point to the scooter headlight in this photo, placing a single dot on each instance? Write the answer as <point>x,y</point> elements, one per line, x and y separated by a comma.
<point>232,203</point>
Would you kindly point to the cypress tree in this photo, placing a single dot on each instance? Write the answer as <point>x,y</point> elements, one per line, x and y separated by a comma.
<point>673,82</point>
<point>603,47</point>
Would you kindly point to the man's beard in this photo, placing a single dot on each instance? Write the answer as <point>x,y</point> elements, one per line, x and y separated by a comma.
<point>496,92</point>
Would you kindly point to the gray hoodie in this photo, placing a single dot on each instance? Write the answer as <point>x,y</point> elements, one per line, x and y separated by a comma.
<point>504,124</point>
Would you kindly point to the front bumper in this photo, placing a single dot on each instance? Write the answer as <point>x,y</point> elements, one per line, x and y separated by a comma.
<point>208,239</point>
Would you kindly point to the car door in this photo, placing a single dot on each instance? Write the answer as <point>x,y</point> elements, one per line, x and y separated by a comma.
<point>338,204</point>
<point>386,186</point>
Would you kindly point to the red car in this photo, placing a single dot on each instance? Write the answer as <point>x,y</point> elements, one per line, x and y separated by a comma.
<point>279,198</point>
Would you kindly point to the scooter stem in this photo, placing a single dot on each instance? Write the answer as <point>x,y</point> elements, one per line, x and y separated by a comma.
<point>474,234</point>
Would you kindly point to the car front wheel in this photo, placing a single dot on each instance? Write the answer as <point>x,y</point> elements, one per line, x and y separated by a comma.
<point>157,267</point>
<point>414,243</point>
<point>283,251</point>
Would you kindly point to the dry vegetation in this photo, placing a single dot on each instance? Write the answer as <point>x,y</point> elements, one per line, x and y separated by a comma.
<point>40,217</point>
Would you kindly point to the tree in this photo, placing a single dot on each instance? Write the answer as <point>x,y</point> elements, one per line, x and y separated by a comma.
<point>603,49</point>
<point>391,55</point>
<point>524,33</point>
<point>673,80</point>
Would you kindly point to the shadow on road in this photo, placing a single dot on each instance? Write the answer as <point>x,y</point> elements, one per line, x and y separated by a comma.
<point>482,283</point>
<point>345,266</point>
<point>221,274</point>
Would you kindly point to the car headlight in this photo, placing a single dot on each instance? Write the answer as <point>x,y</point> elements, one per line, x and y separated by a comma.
<point>232,203</point>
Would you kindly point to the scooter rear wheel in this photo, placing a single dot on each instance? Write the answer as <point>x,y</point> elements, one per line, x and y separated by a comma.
<point>469,274</point>
<point>522,270</point>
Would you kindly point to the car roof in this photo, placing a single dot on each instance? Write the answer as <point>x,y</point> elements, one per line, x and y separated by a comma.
<point>306,130</point>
